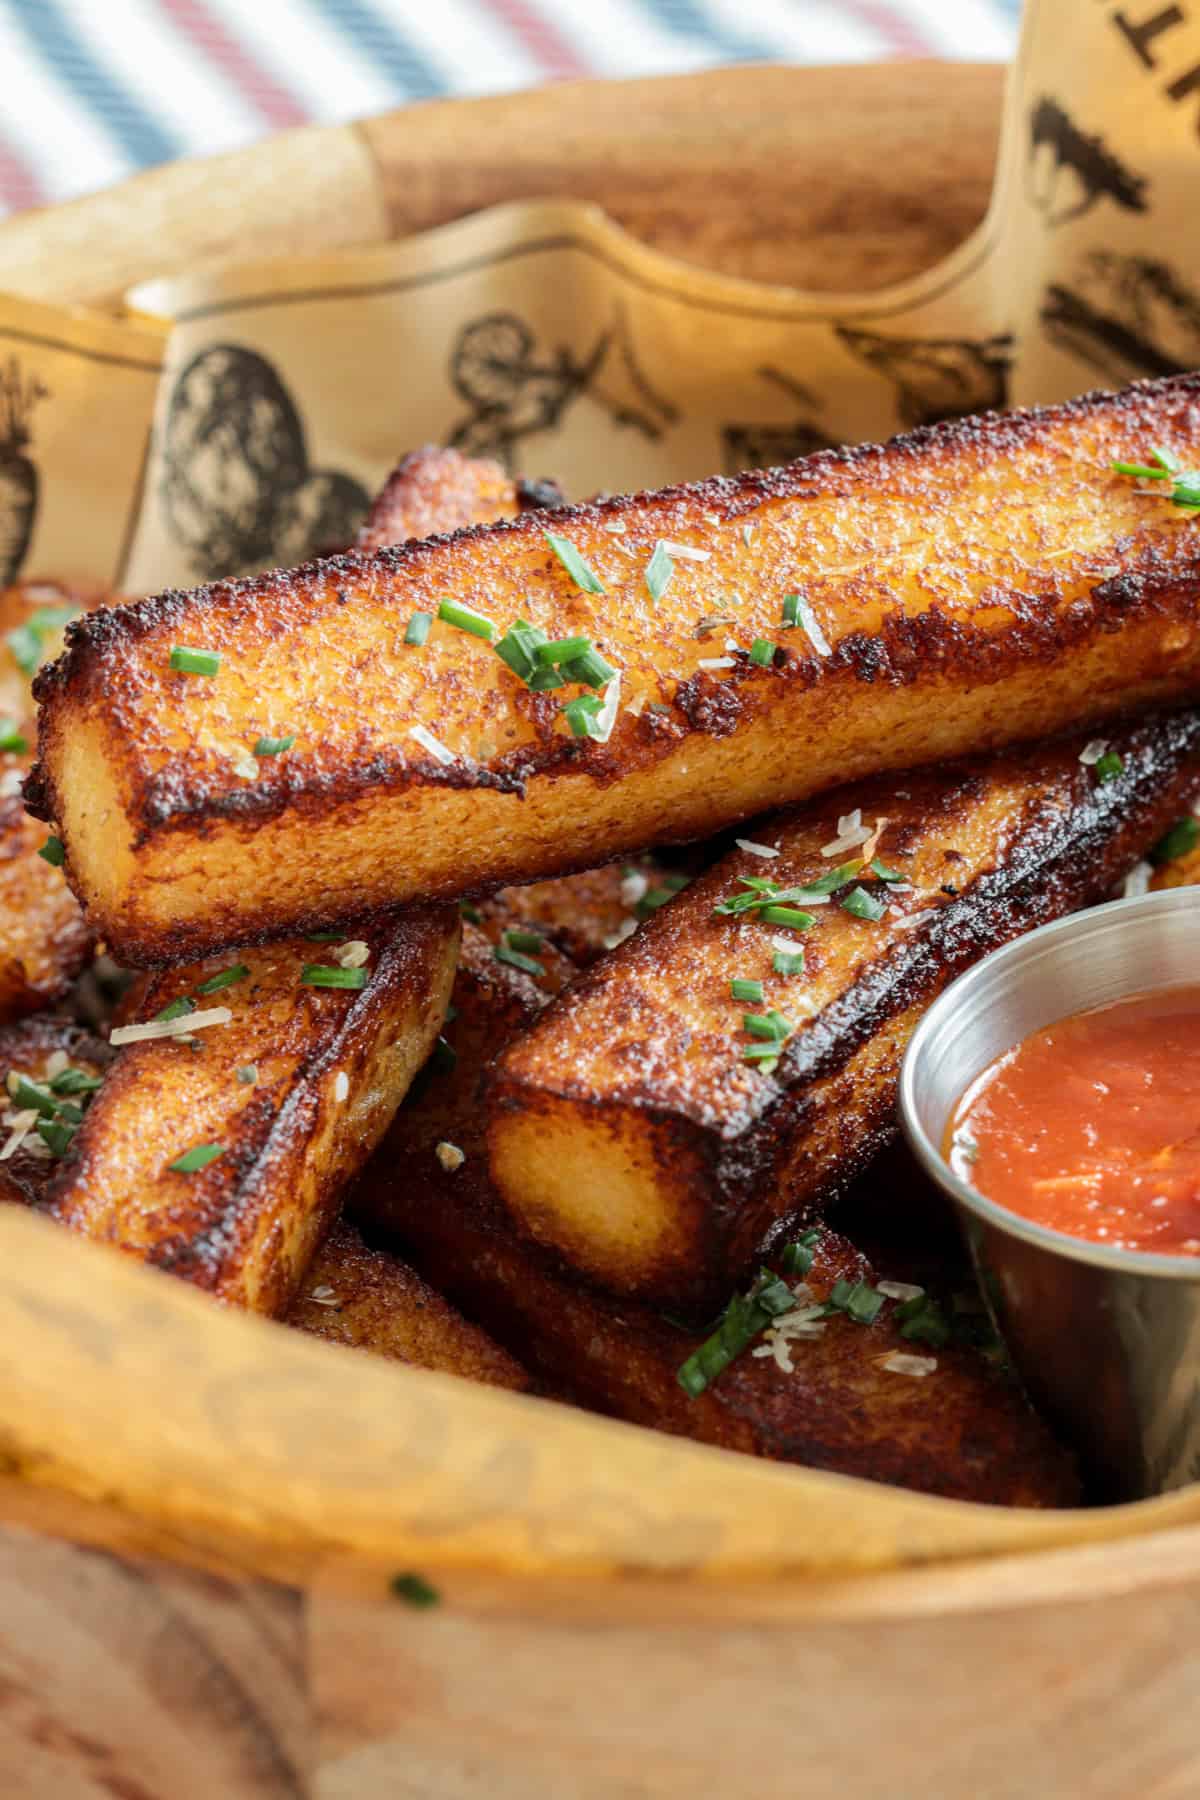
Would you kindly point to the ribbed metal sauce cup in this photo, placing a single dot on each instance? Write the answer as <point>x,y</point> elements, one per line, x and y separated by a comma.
<point>1107,1341</point>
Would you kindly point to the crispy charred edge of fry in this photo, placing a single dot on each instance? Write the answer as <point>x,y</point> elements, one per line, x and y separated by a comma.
<point>1058,857</point>
<point>901,652</point>
<point>205,1256</point>
<point>365,1298</point>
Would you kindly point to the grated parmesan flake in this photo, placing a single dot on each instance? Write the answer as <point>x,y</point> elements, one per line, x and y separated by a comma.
<point>354,954</point>
<point>851,832</point>
<point>685,552</point>
<point>716,662</point>
<point>606,718</point>
<point>450,1156</point>
<point>899,1290</point>
<point>434,745</point>
<point>753,849</point>
<point>901,1363</point>
<point>1092,751</point>
<point>1137,882</point>
<point>169,1028</point>
<point>22,1124</point>
<point>624,930</point>
<point>341,1086</point>
<point>633,887</point>
<point>56,1063</point>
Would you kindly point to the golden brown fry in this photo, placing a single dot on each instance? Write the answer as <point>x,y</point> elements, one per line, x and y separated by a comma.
<point>43,940</point>
<point>630,1128</point>
<point>964,1430</point>
<point>435,490</point>
<point>367,1299</point>
<point>323,1073</point>
<point>976,584</point>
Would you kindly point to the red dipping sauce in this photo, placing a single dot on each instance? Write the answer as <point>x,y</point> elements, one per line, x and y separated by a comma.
<point>1092,1126</point>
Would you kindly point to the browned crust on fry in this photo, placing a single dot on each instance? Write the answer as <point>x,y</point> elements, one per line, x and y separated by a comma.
<point>1094,612</point>
<point>27,1048</point>
<point>965,1432</point>
<point>246,1227</point>
<point>367,1299</point>
<point>434,490</point>
<point>626,1131</point>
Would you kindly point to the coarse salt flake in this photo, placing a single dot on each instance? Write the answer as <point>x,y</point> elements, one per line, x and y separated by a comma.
<point>434,745</point>
<point>341,1086</point>
<point>450,1156</point>
<point>901,1363</point>
<point>1092,751</point>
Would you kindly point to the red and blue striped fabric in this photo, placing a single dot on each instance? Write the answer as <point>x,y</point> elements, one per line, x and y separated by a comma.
<point>92,92</point>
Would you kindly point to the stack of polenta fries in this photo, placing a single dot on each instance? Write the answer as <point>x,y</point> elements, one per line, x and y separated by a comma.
<point>336,814</point>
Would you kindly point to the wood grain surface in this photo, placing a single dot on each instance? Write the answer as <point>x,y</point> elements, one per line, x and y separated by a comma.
<point>201,1512</point>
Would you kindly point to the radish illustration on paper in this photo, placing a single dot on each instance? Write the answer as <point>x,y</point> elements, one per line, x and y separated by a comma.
<point>19,395</point>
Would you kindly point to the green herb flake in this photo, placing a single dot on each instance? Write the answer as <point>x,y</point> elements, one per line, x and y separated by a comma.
<point>743,1319</point>
<point>322,975</point>
<point>762,653</point>
<point>766,1055</point>
<point>74,1081</point>
<point>770,1025</point>
<point>581,715</point>
<point>788,962</point>
<point>226,978</point>
<point>863,905</point>
<point>655,897</point>
<point>417,630</point>
<point>414,1590</point>
<point>1106,768</point>
<point>1182,838</point>
<point>471,913</point>
<point>26,647</point>
<point>518,648</point>
<point>55,1136</point>
<point>12,738</point>
<point>516,959</point>
<point>176,1009</point>
<point>324,937</point>
<point>465,618</point>
<point>589,670</point>
<point>787,915</point>
<point>32,1098</point>
<point>741,989</point>
<point>576,565</point>
<point>1185,484</point>
<point>273,746</point>
<point>529,941</point>
<point>858,1299</point>
<point>248,1074</point>
<point>659,571</point>
<point>197,1158</point>
<point>883,872</point>
<point>52,851</point>
<point>797,1257</point>
<point>194,662</point>
<point>922,1321</point>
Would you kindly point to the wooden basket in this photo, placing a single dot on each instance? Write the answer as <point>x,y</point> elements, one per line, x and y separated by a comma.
<point>202,1512</point>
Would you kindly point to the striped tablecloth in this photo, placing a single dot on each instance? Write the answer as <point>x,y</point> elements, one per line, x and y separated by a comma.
<point>94,89</point>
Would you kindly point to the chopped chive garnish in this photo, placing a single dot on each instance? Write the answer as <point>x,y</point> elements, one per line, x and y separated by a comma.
<point>30,1097</point>
<point>1185,489</point>
<point>26,646</point>
<point>519,646</point>
<point>770,1025</point>
<point>590,669</point>
<point>321,975</point>
<point>11,737</point>
<point>194,662</point>
<point>1108,767</point>
<point>863,905</point>
<point>762,652</point>
<point>516,959</point>
<point>883,872</point>
<point>544,681</point>
<point>922,1320</point>
<point>471,913</point>
<point>788,962</point>
<point>70,1112</point>
<point>453,612</point>
<point>581,714</point>
<point>415,1590</point>
<point>791,608</point>
<point>741,989</point>
<point>577,566</point>
<point>857,1298</point>
<point>762,1053</point>
<point>74,1081</point>
<point>226,978</point>
<point>1182,838</point>
<point>743,1319</point>
<point>836,878</point>
<point>270,746</point>
<point>52,851</point>
<point>56,1137</point>
<point>655,897</point>
<point>551,653</point>
<point>324,937</point>
<point>1140,471</point>
<point>524,940</point>
<point>197,1158</point>
<point>177,1009</point>
<point>417,630</point>
<point>248,1074</point>
<point>797,1258</point>
<point>787,915</point>
<point>659,571</point>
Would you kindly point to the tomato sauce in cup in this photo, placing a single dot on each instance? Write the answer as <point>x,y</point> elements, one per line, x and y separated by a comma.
<point>1091,1126</point>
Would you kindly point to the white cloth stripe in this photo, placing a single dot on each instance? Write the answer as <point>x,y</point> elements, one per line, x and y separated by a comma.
<point>470,47</point>
<point>619,38</point>
<point>828,32</point>
<point>971,30</point>
<point>166,73</point>
<point>46,124</point>
<point>319,65</point>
